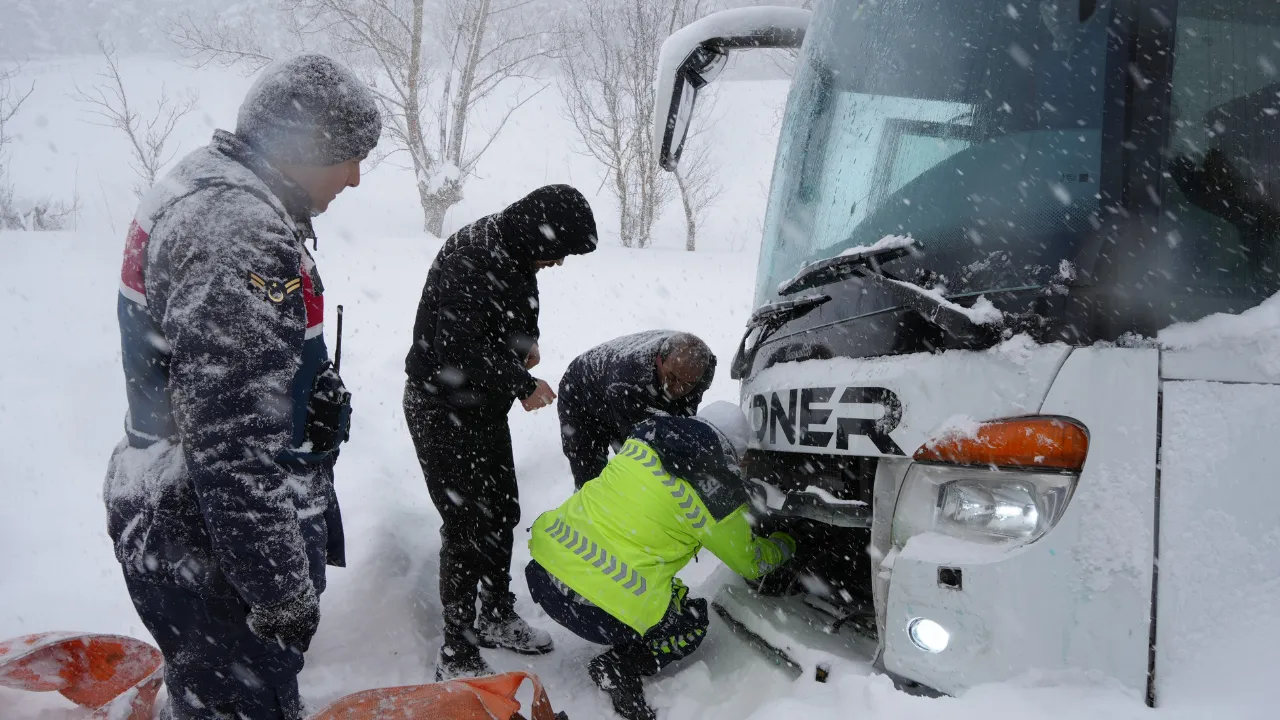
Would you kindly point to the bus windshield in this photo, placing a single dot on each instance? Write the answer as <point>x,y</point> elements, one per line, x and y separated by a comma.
<point>999,134</point>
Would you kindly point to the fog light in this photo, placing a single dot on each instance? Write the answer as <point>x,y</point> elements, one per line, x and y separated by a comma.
<point>928,635</point>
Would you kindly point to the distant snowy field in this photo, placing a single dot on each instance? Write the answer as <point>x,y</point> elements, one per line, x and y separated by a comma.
<point>62,405</point>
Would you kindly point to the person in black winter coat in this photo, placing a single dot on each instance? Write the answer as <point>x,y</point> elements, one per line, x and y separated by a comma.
<point>220,499</point>
<point>474,341</point>
<point>609,389</point>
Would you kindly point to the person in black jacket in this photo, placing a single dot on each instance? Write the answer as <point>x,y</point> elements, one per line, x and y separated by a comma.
<point>474,341</point>
<point>609,389</point>
<point>220,499</point>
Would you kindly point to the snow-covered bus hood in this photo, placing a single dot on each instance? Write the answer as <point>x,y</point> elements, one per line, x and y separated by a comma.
<point>888,406</point>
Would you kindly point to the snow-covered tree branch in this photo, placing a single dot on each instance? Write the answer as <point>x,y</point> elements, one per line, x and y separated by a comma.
<point>609,97</point>
<point>698,181</point>
<point>17,213</point>
<point>432,64</point>
<point>148,134</point>
<point>11,100</point>
<point>219,42</point>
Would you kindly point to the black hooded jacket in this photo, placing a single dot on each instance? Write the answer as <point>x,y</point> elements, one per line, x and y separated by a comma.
<point>478,316</point>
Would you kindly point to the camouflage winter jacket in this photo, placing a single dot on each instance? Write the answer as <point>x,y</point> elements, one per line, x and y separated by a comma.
<point>219,485</point>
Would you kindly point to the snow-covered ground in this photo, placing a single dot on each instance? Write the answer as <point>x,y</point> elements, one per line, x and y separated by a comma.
<point>62,406</point>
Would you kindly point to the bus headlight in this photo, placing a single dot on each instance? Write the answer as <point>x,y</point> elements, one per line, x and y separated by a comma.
<point>1004,501</point>
<point>980,504</point>
<point>928,635</point>
<point>1008,509</point>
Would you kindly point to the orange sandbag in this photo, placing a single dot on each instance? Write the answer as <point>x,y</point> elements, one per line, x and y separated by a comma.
<point>118,676</point>
<point>487,698</point>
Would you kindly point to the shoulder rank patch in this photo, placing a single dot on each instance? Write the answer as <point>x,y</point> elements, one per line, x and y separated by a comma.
<point>275,290</point>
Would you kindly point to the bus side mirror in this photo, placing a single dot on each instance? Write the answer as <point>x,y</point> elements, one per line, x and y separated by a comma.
<point>696,54</point>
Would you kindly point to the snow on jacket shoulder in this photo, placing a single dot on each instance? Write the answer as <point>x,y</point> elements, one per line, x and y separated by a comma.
<point>221,318</point>
<point>478,316</point>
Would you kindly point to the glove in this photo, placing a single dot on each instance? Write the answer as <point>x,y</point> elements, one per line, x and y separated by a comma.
<point>679,593</point>
<point>291,623</point>
<point>328,411</point>
<point>786,544</point>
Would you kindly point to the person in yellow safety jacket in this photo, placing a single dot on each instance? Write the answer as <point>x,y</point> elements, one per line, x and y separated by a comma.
<point>604,562</point>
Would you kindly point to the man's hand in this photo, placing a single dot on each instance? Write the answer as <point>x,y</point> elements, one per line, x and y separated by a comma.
<point>291,623</point>
<point>541,397</point>
<point>534,357</point>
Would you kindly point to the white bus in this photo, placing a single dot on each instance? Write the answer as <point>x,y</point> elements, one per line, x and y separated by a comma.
<point>1013,364</point>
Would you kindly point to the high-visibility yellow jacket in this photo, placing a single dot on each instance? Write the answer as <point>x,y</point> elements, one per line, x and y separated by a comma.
<point>671,490</point>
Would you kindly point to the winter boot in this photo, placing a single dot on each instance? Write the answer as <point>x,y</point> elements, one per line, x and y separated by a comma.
<point>459,660</point>
<point>624,688</point>
<point>498,626</point>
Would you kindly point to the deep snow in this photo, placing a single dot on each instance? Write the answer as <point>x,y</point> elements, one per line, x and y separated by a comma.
<point>62,407</point>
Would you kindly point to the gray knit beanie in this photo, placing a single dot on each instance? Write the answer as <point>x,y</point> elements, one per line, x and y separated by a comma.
<point>309,110</point>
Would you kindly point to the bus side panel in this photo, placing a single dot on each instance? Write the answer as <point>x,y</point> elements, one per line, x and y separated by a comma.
<point>1218,594</point>
<point>1079,598</point>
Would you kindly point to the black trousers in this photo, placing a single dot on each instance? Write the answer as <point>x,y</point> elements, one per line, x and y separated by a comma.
<point>214,666</point>
<point>676,636</point>
<point>467,461</point>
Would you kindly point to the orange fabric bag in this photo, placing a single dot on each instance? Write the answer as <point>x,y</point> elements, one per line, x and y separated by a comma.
<point>487,698</point>
<point>119,677</point>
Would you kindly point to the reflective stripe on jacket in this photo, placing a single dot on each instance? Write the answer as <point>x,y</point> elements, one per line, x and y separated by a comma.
<point>620,540</point>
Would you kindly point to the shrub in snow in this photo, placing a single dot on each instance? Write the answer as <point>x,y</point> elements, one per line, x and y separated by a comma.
<point>33,215</point>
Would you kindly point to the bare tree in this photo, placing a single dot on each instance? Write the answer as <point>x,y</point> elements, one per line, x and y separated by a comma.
<point>11,100</point>
<point>785,60</point>
<point>148,134</point>
<point>609,95</point>
<point>17,213</point>
<point>226,42</point>
<point>431,77</point>
<point>699,184</point>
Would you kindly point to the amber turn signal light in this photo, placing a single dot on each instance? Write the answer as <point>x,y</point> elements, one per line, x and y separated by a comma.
<point>1041,442</point>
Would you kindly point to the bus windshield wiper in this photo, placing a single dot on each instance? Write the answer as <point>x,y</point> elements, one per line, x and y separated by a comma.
<point>853,262</point>
<point>768,318</point>
<point>785,310</point>
<point>971,324</point>
<point>976,324</point>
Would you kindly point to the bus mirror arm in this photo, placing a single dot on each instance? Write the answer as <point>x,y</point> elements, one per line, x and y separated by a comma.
<point>694,56</point>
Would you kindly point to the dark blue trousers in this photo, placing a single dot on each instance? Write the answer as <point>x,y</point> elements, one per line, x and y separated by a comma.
<point>214,666</point>
<point>676,636</point>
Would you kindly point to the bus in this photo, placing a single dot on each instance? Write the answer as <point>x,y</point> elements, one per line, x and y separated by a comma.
<point>1015,347</point>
